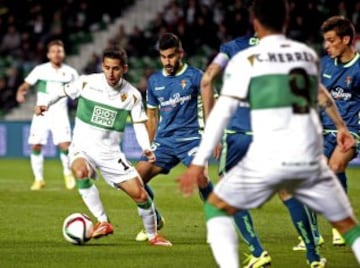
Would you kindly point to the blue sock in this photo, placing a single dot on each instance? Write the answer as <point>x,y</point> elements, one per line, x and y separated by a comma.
<point>151,194</point>
<point>343,180</point>
<point>302,224</point>
<point>245,225</point>
<point>312,216</point>
<point>205,192</point>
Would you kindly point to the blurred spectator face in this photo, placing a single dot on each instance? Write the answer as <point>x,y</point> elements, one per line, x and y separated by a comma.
<point>113,70</point>
<point>171,59</point>
<point>56,54</point>
<point>334,44</point>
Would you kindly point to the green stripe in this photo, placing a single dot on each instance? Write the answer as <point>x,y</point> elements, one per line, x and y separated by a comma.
<point>83,183</point>
<point>41,86</point>
<point>101,115</point>
<point>274,91</point>
<point>211,211</point>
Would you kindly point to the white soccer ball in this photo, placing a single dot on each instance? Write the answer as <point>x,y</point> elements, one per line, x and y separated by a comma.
<point>77,228</point>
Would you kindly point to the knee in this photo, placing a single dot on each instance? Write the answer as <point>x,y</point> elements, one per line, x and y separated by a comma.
<point>141,196</point>
<point>81,173</point>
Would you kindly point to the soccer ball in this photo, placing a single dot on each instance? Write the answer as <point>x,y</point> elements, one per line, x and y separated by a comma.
<point>77,228</point>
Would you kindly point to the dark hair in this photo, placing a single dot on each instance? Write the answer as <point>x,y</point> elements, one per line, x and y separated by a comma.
<point>342,26</point>
<point>272,14</point>
<point>56,42</point>
<point>115,53</point>
<point>169,40</point>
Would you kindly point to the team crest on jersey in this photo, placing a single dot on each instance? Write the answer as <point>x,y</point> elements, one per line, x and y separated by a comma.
<point>123,97</point>
<point>348,80</point>
<point>183,83</point>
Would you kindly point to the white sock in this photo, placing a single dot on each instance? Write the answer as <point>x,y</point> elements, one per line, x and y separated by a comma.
<point>223,241</point>
<point>148,217</point>
<point>356,249</point>
<point>37,165</point>
<point>65,163</point>
<point>91,198</point>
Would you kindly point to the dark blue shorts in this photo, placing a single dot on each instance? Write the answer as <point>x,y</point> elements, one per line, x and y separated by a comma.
<point>330,143</point>
<point>234,147</point>
<point>169,152</point>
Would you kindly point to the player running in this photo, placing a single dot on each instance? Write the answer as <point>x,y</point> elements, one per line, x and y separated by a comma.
<point>105,102</point>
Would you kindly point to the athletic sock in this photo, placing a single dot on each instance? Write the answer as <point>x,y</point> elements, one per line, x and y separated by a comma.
<point>152,196</point>
<point>37,164</point>
<point>343,180</point>
<point>91,198</point>
<point>65,161</point>
<point>146,211</point>
<point>222,237</point>
<point>302,225</point>
<point>245,225</point>
<point>206,191</point>
<point>312,216</point>
<point>352,238</point>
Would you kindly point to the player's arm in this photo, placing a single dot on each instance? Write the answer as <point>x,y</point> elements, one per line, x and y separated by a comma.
<point>207,81</point>
<point>152,122</point>
<point>326,102</point>
<point>23,89</point>
<point>143,140</point>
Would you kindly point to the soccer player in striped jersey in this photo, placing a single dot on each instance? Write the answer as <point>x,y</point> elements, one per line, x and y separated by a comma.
<point>173,112</point>
<point>105,102</point>
<point>279,78</point>
<point>49,77</point>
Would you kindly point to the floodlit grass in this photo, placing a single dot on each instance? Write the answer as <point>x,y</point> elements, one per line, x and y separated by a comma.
<point>31,222</point>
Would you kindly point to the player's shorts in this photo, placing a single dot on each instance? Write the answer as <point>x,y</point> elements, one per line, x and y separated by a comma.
<point>113,167</point>
<point>330,142</point>
<point>234,147</point>
<point>170,152</point>
<point>42,125</point>
<point>251,183</point>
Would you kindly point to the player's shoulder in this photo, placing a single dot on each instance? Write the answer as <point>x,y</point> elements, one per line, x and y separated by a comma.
<point>193,69</point>
<point>43,66</point>
<point>68,67</point>
<point>237,44</point>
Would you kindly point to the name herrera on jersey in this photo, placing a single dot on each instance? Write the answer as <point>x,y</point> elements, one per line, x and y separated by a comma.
<point>283,57</point>
<point>175,99</point>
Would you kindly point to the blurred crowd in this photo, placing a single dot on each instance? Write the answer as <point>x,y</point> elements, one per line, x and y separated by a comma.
<point>202,26</point>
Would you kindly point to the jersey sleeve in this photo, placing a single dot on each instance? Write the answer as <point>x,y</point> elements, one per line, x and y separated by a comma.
<point>74,88</point>
<point>33,76</point>
<point>151,100</point>
<point>137,113</point>
<point>237,77</point>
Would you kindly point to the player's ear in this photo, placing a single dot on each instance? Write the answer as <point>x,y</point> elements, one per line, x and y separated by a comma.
<point>125,68</point>
<point>346,40</point>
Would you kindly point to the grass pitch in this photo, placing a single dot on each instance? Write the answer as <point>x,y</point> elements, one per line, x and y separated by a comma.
<point>31,222</point>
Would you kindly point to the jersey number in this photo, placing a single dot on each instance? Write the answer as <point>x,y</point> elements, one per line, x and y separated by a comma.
<point>300,86</point>
<point>125,165</point>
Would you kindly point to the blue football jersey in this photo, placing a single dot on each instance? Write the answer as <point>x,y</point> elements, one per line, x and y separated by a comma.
<point>176,97</point>
<point>240,121</point>
<point>343,83</point>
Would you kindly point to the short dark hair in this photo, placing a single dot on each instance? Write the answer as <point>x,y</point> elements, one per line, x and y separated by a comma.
<point>169,40</point>
<point>55,42</point>
<point>272,14</point>
<point>116,53</point>
<point>342,26</point>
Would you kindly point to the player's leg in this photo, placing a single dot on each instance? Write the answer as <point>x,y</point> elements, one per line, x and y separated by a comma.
<point>302,224</point>
<point>64,157</point>
<point>146,172</point>
<point>146,209</point>
<point>234,147</point>
<point>89,193</point>
<point>37,138</point>
<point>61,133</point>
<point>338,162</point>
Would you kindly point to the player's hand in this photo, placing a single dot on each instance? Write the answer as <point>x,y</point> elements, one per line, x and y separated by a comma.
<point>217,151</point>
<point>189,180</point>
<point>345,140</point>
<point>150,156</point>
<point>40,109</point>
<point>20,96</point>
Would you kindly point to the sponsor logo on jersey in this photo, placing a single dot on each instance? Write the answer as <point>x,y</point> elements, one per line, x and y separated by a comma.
<point>104,117</point>
<point>160,88</point>
<point>339,94</point>
<point>176,99</point>
<point>328,76</point>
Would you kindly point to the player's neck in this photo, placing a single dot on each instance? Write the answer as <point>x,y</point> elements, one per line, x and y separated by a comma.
<point>347,56</point>
<point>56,65</point>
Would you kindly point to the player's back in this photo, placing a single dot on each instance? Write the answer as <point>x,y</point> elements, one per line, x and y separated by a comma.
<point>343,83</point>
<point>240,121</point>
<point>282,92</point>
<point>176,97</point>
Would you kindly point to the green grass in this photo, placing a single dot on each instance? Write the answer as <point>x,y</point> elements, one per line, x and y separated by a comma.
<point>30,222</point>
